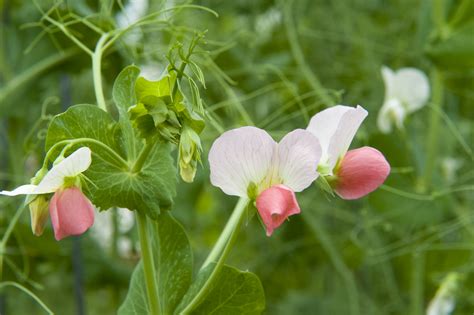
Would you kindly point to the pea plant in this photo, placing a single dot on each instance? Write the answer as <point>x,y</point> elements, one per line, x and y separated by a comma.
<point>130,153</point>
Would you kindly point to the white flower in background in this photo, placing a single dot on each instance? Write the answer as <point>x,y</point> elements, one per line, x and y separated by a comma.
<point>267,22</point>
<point>444,301</point>
<point>102,231</point>
<point>449,168</point>
<point>355,173</point>
<point>247,162</point>
<point>133,11</point>
<point>70,210</point>
<point>406,90</point>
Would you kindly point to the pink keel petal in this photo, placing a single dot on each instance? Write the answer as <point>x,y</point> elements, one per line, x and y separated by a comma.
<point>275,204</point>
<point>71,213</point>
<point>362,171</point>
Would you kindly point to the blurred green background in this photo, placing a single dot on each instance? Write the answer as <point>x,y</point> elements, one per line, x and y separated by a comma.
<point>272,64</point>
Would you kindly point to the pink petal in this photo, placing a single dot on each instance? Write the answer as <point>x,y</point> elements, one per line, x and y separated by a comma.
<point>361,171</point>
<point>275,204</point>
<point>71,213</point>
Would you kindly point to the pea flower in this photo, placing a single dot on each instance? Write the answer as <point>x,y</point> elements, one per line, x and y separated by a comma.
<point>406,90</point>
<point>71,212</point>
<point>355,173</point>
<point>247,162</point>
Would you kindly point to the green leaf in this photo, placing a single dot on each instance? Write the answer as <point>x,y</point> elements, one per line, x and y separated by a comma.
<point>233,292</point>
<point>124,97</point>
<point>173,262</point>
<point>150,190</point>
<point>456,50</point>
<point>114,184</point>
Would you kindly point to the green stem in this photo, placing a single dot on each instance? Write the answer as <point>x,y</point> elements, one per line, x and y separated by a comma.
<point>433,131</point>
<point>299,56</point>
<point>336,259</point>
<point>33,296</point>
<point>418,260</point>
<point>114,154</point>
<point>224,237</point>
<point>148,265</point>
<point>7,234</point>
<point>220,252</point>
<point>33,72</point>
<point>96,65</point>
<point>137,167</point>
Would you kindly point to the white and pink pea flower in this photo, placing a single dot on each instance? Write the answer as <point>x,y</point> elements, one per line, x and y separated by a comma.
<point>355,173</point>
<point>71,212</point>
<point>406,90</point>
<point>247,162</point>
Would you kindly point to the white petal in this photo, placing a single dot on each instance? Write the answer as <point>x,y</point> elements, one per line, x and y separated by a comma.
<point>324,124</point>
<point>239,157</point>
<point>71,166</point>
<point>21,190</point>
<point>389,80</point>
<point>391,112</point>
<point>335,128</point>
<point>412,88</point>
<point>342,138</point>
<point>298,157</point>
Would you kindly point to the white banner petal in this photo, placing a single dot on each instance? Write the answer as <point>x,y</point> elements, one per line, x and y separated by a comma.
<point>71,166</point>
<point>239,157</point>
<point>335,128</point>
<point>388,77</point>
<point>324,124</point>
<point>299,153</point>
<point>345,132</point>
<point>412,88</point>
<point>21,190</point>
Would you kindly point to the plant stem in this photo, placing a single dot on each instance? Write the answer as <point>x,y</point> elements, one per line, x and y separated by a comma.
<point>299,56</point>
<point>223,238</point>
<point>114,154</point>
<point>418,260</point>
<point>148,265</point>
<point>33,72</point>
<point>6,236</point>
<point>338,262</point>
<point>433,131</point>
<point>28,292</point>
<point>96,65</point>
<point>220,252</point>
<point>137,167</point>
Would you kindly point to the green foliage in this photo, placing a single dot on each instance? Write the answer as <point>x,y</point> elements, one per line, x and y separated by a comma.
<point>114,183</point>
<point>173,262</point>
<point>233,292</point>
<point>268,64</point>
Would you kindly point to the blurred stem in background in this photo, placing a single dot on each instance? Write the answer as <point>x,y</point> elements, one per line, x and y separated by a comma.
<point>433,130</point>
<point>297,52</point>
<point>7,234</point>
<point>337,261</point>
<point>34,71</point>
<point>438,17</point>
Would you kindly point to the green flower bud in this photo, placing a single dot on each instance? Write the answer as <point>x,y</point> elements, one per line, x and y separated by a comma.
<point>189,153</point>
<point>39,214</point>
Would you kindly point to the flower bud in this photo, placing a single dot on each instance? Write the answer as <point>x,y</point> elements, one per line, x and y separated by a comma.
<point>189,153</point>
<point>39,214</point>
<point>360,172</point>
